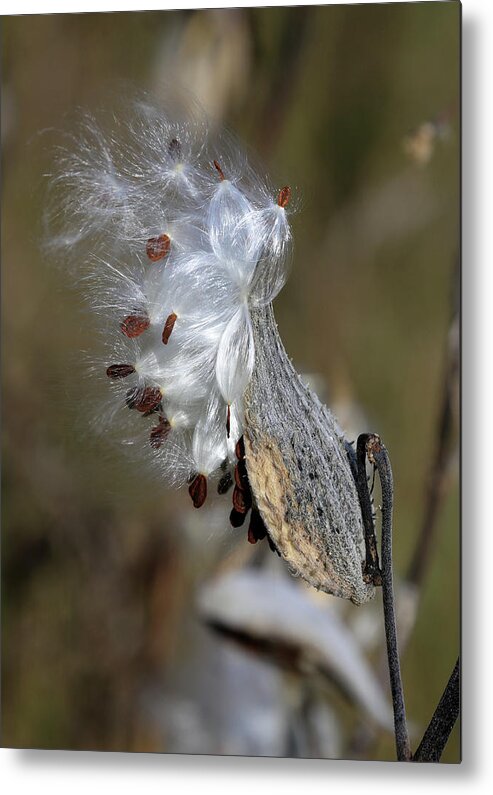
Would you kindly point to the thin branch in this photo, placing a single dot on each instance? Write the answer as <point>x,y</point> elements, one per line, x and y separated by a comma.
<point>437,475</point>
<point>435,488</point>
<point>377,455</point>
<point>372,567</point>
<point>436,735</point>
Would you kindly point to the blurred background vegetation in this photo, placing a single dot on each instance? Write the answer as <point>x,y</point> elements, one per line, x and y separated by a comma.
<point>356,107</point>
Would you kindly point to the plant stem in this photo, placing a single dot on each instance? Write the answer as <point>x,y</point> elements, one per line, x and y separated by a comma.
<point>377,454</point>
<point>436,735</point>
<point>372,565</point>
<point>436,478</point>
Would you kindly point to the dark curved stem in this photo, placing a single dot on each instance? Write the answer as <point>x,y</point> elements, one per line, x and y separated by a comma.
<point>436,480</point>
<point>436,735</point>
<point>377,455</point>
<point>437,476</point>
<point>372,567</point>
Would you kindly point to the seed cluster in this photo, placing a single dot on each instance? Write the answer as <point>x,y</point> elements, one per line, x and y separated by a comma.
<point>242,501</point>
<point>181,237</point>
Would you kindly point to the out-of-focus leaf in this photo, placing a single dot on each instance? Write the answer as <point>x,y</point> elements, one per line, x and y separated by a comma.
<point>278,617</point>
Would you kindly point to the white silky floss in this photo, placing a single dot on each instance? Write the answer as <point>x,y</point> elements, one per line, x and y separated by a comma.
<point>179,240</point>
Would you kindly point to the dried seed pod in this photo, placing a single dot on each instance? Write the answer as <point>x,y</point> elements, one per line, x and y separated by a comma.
<point>300,478</point>
<point>198,490</point>
<point>299,472</point>
<point>168,327</point>
<point>158,247</point>
<point>134,325</point>
<point>115,371</point>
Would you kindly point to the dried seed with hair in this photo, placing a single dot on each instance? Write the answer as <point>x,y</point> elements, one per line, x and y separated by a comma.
<point>134,325</point>
<point>242,500</point>
<point>159,433</point>
<point>144,400</point>
<point>236,519</point>
<point>198,490</point>
<point>119,370</point>
<point>219,171</point>
<point>256,529</point>
<point>225,483</point>
<point>168,327</point>
<point>241,477</point>
<point>174,149</point>
<point>284,196</point>
<point>240,448</point>
<point>158,247</point>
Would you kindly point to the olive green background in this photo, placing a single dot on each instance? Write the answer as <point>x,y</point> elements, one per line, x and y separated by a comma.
<point>100,564</point>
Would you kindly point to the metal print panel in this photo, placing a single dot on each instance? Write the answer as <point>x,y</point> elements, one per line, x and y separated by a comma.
<point>230,262</point>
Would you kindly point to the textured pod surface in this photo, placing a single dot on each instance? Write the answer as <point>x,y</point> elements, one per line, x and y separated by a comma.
<point>299,472</point>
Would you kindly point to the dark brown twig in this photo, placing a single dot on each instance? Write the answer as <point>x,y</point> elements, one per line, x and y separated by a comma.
<point>377,455</point>
<point>436,735</point>
<point>433,496</point>
<point>437,475</point>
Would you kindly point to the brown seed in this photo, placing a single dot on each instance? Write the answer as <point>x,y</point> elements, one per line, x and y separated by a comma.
<point>225,483</point>
<point>174,149</point>
<point>144,400</point>
<point>134,325</point>
<point>159,433</point>
<point>168,327</point>
<point>198,490</point>
<point>236,519</point>
<point>228,421</point>
<point>158,247</point>
<point>284,196</point>
<point>256,529</point>
<point>119,370</point>
<point>136,399</point>
<point>219,170</point>
<point>242,500</point>
<point>240,448</point>
<point>150,399</point>
<point>241,477</point>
